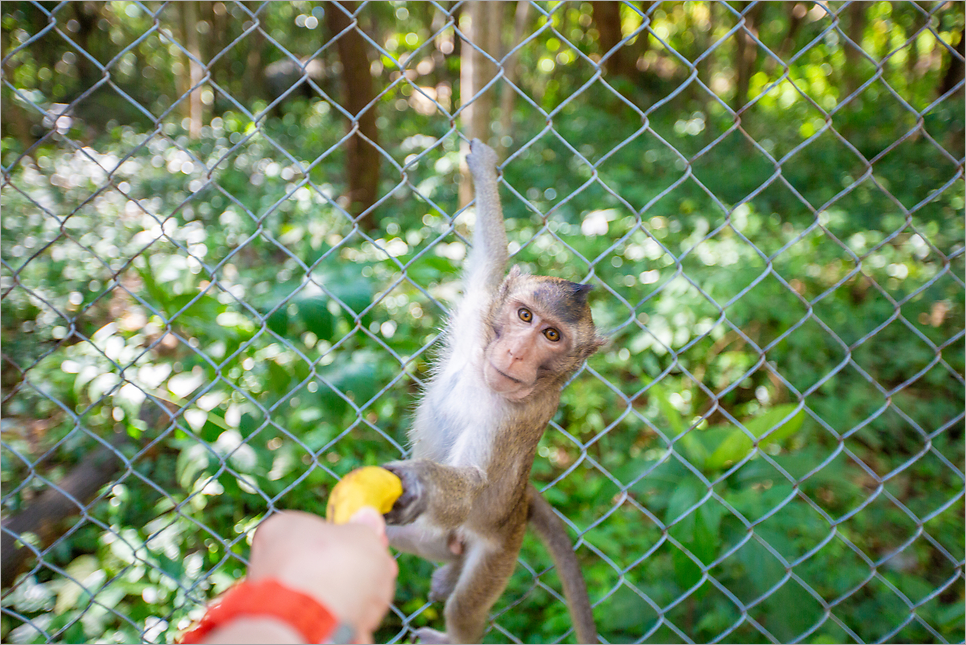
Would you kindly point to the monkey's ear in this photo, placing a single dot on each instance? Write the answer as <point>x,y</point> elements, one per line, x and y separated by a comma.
<point>511,277</point>
<point>594,345</point>
<point>580,291</point>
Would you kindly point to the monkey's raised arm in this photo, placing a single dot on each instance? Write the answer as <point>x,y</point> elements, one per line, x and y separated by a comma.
<point>488,258</point>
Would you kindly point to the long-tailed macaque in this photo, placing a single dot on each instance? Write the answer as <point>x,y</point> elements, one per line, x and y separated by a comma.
<point>511,344</point>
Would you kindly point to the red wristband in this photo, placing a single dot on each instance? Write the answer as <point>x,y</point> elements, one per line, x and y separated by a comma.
<point>270,599</point>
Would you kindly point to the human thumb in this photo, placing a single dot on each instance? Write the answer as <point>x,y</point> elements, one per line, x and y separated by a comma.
<point>369,516</point>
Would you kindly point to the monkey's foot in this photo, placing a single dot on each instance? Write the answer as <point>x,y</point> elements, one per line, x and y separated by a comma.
<point>431,636</point>
<point>443,582</point>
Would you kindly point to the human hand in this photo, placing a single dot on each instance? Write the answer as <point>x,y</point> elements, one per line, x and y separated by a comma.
<point>347,567</point>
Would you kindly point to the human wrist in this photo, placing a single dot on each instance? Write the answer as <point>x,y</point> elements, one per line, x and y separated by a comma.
<point>254,629</point>
<point>273,604</point>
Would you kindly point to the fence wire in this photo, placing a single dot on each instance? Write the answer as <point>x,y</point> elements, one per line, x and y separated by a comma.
<point>201,327</point>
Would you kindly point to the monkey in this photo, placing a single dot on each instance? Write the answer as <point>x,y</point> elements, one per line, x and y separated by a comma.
<point>510,345</point>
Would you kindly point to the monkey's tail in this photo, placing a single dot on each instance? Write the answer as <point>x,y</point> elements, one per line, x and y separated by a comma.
<point>554,535</point>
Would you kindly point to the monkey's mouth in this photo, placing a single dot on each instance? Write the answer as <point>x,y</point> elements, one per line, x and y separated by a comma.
<point>511,388</point>
<point>505,375</point>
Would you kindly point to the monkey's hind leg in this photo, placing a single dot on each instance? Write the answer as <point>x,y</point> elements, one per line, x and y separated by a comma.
<point>485,572</point>
<point>444,581</point>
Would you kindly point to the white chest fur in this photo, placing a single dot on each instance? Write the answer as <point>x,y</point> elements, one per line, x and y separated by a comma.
<point>459,415</point>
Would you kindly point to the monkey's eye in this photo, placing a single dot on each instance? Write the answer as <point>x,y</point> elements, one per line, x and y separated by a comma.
<point>552,334</point>
<point>525,314</point>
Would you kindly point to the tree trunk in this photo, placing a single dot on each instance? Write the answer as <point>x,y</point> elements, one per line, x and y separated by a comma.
<point>215,13</point>
<point>482,22</point>
<point>607,16</point>
<point>702,30</point>
<point>643,37</point>
<point>45,517</point>
<point>853,54</point>
<point>746,53</point>
<point>954,71</point>
<point>362,158</point>
<point>87,15</point>
<point>912,46</point>
<point>795,13</point>
<point>456,13</point>
<point>15,119</point>
<point>508,94</point>
<point>254,86</point>
<point>189,32</point>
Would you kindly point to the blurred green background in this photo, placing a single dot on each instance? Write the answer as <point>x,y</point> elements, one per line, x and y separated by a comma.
<point>214,304</point>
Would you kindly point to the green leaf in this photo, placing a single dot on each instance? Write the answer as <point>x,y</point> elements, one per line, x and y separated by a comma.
<point>278,378</point>
<point>686,572</point>
<point>355,377</point>
<point>159,295</point>
<point>627,611</point>
<point>350,287</point>
<point>314,313</point>
<point>674,419</point>
<point>683,498</point>
<point>192,460</point>
<point>761,567</point>
<point>707,534</point>
<point>699,531</point>
<point>738,444</point>
<point>81,570</point>
<point>278,322</point>
<point>331,401</point>
<point>694,451</point>
<point>429,268</point>
<point>212,427</point>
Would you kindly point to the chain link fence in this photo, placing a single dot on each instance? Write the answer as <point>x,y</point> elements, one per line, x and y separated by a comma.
<point>225,265</point>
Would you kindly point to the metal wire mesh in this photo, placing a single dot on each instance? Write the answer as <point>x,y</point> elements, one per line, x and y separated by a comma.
<point>152,380</point>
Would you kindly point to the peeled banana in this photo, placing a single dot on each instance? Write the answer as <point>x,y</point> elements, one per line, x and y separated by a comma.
<point>366,486</point>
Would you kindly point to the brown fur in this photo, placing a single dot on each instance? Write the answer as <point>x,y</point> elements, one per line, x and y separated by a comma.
<point>467,498</point>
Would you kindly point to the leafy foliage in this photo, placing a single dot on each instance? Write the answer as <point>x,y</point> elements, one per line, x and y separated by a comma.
<point>773,434</point>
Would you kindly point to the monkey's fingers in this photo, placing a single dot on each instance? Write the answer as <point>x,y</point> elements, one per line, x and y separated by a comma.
<point>481,159</point>
<point>412,502</point>
<point>367,486</point>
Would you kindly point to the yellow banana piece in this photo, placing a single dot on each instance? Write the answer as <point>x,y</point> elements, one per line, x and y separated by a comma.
<point>366,486</point>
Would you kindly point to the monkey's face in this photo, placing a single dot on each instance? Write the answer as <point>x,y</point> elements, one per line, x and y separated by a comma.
<point>542,331</point>
<point>525,342</point>
<point>530,346</point>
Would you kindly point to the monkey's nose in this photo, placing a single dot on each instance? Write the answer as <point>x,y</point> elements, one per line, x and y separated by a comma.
<point>516,353</point>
